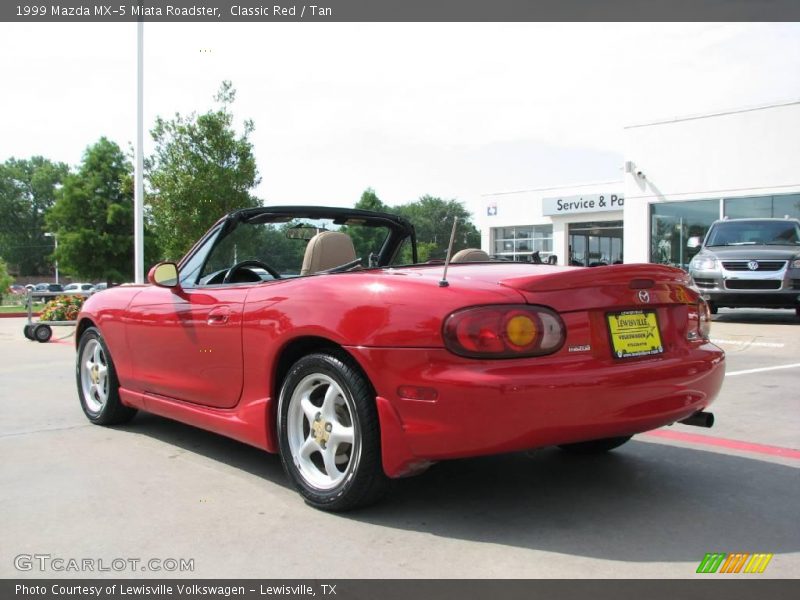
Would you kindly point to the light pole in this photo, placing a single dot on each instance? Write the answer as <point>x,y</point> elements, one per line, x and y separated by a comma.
<point>55,239</point>
<point>138,195</point>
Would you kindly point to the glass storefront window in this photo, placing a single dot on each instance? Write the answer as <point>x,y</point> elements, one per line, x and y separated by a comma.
<point>519,243</point>
<point>671,226</point>
<point>596,243</point>
<point>523,246</point>
<point>673,223</point>
<point>523,232</point>
<point>788,205</point>
<point>763,206</point>
<point>748,208</point>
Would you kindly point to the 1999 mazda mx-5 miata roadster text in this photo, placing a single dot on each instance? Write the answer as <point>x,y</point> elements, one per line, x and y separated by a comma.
<point>314,332</point>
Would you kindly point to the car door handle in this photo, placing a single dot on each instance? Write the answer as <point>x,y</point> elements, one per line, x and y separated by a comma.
<point>219,315</point>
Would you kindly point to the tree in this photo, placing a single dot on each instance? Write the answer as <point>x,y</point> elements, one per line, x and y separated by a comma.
<point>433,220</point>
<point>200,170</point>
<point>27,191</point>
<point>93,216</point>
<point>368,240</point>
<point>5,279</point>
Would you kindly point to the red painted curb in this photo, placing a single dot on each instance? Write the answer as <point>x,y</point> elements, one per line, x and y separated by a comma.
<point>708,440</point>
<point>17,315</point>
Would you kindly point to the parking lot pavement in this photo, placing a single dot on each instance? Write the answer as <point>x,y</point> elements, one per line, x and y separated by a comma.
<point>758,402</point>
<point>159,489</point>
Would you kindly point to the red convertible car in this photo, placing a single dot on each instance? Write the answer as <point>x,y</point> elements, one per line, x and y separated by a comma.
<point>315,333</point>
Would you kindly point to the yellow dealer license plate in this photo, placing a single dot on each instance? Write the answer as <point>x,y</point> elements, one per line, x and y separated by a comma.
<point>634,333</point>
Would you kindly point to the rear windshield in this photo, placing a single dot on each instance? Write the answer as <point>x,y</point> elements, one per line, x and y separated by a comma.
<point>743,233</point>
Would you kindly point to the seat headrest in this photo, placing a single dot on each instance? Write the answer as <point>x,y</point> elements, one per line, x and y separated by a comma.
<point>470,255</point>
<point>326,250</point>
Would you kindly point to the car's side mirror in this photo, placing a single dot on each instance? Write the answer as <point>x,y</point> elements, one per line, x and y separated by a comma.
<point>164,274</point>
<point>693,242</point>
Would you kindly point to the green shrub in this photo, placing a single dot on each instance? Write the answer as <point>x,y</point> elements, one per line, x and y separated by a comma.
<point>62,308</point>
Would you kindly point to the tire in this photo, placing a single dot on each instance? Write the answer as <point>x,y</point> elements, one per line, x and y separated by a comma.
<point>713,308</point>
<point>596,446</point>
<point>326,397</point>
<point>42,333</point>
<point>27,331</point>
<point>98,386</point>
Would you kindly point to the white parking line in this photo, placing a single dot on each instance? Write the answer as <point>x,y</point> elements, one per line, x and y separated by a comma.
<point>746,343</point>
<point>748,371</point>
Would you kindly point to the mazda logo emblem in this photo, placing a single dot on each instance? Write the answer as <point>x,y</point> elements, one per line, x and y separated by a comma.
<point>753,265</point>
<point>644,296</point>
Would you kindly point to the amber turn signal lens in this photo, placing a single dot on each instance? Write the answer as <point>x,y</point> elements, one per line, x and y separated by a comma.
<point>521,330</point>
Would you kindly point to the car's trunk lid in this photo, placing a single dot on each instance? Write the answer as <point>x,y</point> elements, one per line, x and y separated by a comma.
<point>619,311</point>
<point>613,286</point>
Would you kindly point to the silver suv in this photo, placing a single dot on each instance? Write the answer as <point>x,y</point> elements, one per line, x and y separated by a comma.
<point>749,263</point>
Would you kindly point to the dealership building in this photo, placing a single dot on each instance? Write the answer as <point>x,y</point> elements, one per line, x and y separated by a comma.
<point>678,176</point>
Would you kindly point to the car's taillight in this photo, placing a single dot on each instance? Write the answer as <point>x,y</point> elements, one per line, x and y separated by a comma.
<point>513,331</point>
<point>705,320</point>
<point>699,321</point>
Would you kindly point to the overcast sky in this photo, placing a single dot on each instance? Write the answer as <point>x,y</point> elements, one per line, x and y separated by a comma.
<point>454,110</point>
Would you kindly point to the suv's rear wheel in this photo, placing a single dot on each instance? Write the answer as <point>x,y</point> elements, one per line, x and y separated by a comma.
<point>328,433</point>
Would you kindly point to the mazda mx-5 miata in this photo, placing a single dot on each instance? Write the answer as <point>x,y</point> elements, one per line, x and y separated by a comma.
<point>316,333</point>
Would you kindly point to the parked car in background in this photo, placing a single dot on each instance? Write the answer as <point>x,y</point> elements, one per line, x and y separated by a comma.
<point>79,287</point>
<point>316,333</point>
<point>100,286</point>
<point>17,290</point>
<point>749,263</point>
<point>46,287</point>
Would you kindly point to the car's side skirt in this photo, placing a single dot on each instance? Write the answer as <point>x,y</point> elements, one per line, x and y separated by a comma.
<point>247,422</point>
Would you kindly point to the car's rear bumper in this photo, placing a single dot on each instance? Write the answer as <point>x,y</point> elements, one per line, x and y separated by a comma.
<point>487,407</point>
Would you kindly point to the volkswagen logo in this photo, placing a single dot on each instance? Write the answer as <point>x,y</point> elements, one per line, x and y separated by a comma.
<point>753,265</point>
<point>644,296</point>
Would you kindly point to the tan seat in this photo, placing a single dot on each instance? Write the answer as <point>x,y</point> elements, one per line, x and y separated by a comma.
<point>326,250</point>
<point>470,255</point>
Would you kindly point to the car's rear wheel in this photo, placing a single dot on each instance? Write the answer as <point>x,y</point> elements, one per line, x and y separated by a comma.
<point>596,446</point>
<point>328,433</point>
<point>98,386</point>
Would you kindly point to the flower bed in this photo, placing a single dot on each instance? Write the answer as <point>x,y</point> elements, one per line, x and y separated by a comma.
<point>62,308</point>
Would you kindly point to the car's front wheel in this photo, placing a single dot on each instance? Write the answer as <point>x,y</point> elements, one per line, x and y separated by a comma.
<point>328,433</point>
<point>98,386</point>
<point>596,446</point>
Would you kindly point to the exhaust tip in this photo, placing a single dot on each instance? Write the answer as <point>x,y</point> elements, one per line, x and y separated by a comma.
<point>700,419</point>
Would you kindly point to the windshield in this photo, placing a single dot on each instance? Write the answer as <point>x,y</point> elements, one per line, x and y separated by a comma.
<point>744,233</point>
<point>278,250</point>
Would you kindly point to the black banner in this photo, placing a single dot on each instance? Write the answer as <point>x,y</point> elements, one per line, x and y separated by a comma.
<point>67,11</point>
<point>349,589</point>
